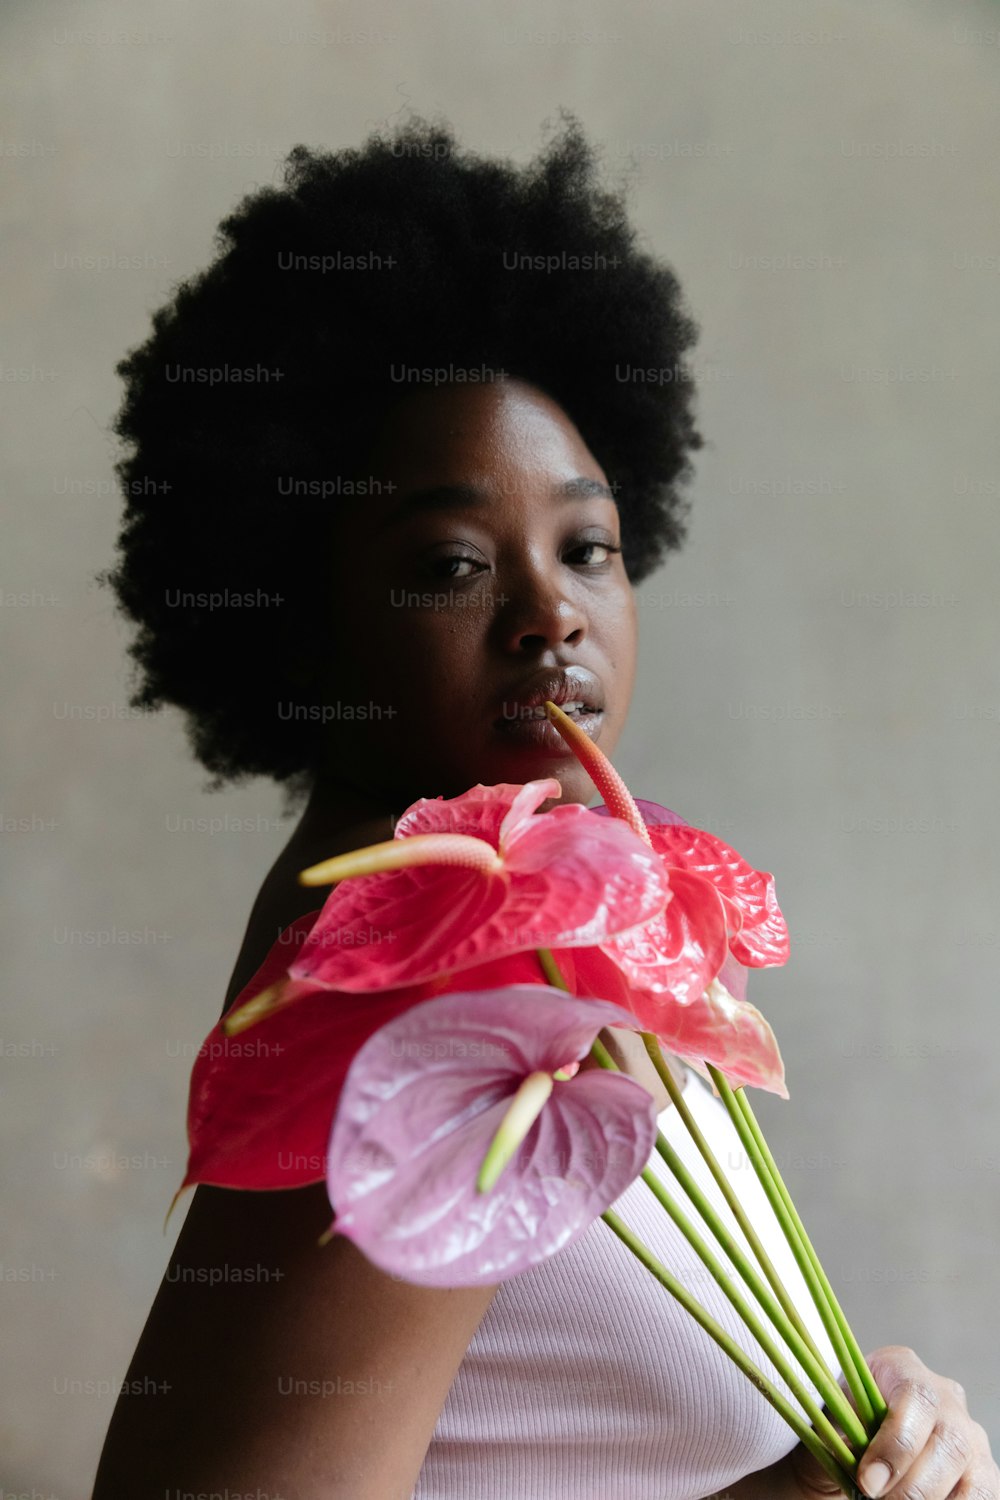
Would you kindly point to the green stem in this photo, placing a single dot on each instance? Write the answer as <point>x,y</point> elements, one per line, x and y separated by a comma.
<point>780,1201</point>
<point>777,1355</point>
<point>551,969</point>
<point>822,1378</point>
<point>739,1212</point>
<point>874,1394</point>
<point>818,1372</point>
<point>839,1474</point>
<point>833,1395</point>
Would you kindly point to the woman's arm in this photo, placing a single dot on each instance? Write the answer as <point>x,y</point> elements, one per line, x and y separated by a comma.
<point>269,1363</point>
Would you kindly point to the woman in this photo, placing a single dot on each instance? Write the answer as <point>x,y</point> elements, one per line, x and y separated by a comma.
<point>391,434</point>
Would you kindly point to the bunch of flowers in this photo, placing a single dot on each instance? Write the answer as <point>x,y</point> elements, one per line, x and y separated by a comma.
<point>432,1078</point>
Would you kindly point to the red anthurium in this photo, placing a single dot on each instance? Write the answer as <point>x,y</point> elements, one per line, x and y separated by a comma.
<point>760,939</point>
<point>477,877</point>
<point>680,951</point>
<point>677,965</point>
<point>424,1098</point>
<point>754,928</point>
<point>733,974</point>
<point>718,1028</point>
<point>692,956</point>
<point>260,1105</point>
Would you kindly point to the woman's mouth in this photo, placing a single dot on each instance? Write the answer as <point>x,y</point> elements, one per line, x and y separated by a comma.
<point>532,728</point>
<point>578,707</point>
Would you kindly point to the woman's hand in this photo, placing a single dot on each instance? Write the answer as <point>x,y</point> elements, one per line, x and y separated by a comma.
<point>928,1447</point>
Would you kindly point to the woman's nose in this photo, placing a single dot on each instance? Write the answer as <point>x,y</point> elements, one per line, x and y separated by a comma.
<point>539,612</point>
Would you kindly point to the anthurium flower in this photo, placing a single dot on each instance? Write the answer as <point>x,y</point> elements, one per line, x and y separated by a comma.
<point>477,877</point>
<point>424,1098</point>
<point>260,1104</point>
<point>681,975</point>
<point>733,974</point>
<point>747,924</point>
<point>729,1033</point>
<point>722,917</point>
<point>718,1028</point>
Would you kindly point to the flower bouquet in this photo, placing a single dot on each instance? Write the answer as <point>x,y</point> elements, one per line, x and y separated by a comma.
<point>432,1076</point>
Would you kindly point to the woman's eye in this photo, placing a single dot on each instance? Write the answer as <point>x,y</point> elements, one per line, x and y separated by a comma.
<point>440,564</point>
<point>450,565</point>
<point>605,547</point>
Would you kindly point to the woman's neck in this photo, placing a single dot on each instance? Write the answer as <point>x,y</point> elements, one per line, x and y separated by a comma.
<point>337,809</point>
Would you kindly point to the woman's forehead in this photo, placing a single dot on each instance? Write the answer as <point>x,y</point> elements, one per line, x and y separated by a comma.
<point>457,436</point>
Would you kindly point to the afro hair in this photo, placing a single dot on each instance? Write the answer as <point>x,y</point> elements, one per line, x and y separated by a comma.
<point>276,361</point>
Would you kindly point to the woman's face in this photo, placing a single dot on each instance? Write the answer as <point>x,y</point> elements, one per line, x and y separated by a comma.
<point>450,609</point>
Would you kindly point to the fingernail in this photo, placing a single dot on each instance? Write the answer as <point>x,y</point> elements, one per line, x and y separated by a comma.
<point>875,1479</point>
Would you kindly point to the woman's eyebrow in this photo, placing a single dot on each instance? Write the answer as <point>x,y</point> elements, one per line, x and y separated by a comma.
<point>446,497</point>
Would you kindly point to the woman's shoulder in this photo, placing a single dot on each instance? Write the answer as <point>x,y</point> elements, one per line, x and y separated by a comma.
<point>282,903</point>
<point>281,916</point>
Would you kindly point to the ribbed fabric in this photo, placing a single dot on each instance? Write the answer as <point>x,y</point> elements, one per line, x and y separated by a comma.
<point>587,1380</point>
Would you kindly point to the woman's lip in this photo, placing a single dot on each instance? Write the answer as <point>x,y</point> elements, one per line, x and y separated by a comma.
<point>542,734</point>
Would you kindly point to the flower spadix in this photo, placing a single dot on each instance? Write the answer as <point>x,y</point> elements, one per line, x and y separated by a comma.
<point>521,1113</point>
<point>422,1101</point>
<point>476,877</point>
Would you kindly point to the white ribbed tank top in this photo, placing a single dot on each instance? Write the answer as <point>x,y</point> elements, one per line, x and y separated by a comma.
<point>587,1380</point>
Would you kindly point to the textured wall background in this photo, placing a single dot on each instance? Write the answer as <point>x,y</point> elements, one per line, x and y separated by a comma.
<point>819,675</point>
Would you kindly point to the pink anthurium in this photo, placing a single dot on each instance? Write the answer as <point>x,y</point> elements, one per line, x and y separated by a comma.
<point>476,877</point>
<point>421,1104</point>
<point>729,1033</point>
<point>759,935</point>
<point>687,986</point>
<point>679,951</point>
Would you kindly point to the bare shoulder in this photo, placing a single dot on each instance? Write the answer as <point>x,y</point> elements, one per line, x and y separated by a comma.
<point>281,900</point>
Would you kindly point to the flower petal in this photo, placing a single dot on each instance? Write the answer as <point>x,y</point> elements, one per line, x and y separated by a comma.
<point>481,811</point>
<point>679,952</point>
<point>575,880</point>
<point>260,1104</point>
<point>734,976</point>
<point>761,930</point>
<point>652,813</point>
<point>524,806</point>
<point>569,878</point>
<point>763,937</point>
<point>424,1098</point>
<point>399,927</point>
<point>732,1034</point>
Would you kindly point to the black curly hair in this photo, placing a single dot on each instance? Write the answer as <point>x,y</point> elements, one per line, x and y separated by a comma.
<point>275,361</point>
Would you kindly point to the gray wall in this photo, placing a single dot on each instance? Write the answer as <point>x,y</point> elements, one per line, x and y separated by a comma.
<point>819,670</point>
